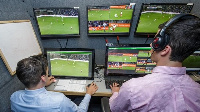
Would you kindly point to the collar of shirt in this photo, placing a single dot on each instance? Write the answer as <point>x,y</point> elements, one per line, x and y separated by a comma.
<point>34,92</point>
<point>170,70</point>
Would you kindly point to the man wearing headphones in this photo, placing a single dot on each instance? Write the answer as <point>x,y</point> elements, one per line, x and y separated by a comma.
<point>33,73</point>
<point>168,88</point>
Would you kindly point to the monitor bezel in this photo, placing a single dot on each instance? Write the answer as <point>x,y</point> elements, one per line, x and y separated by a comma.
<point>122,45</point>
<point>57,36</point>
<point>152,35</point>
<point>74,49</point>
<point>110,34</point>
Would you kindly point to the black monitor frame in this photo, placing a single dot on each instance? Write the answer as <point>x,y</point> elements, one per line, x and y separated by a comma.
<point>113,34</point>
<point>91,64</point>
<point>57,36</point>
<point>131,74</point>
<point>152,34</point>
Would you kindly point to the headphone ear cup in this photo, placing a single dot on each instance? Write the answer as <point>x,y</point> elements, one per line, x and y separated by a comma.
<point>156,43</point>
<point>160,42</point>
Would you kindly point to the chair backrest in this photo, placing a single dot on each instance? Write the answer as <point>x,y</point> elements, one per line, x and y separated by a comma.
<point>105,104</point>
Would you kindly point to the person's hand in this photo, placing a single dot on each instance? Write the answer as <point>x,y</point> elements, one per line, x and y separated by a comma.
<point>91,89</point>
<point>115,87</point>
<point>50,80</point>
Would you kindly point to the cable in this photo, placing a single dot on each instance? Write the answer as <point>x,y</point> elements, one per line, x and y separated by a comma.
<point>99,75</point>
<point>118,40</point>
<point>59,43</point>
<point>146,39</point>
<point>66,43</point>
<point>106,40</point>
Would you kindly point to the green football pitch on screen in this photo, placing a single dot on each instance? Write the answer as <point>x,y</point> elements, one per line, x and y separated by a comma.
<point>97,15</point>
<point>58,25</point>
<point>117,30</point>
<point>69,68</point>
<point>123,68</point>
<point>150,21</point>
<point>102,15</point>
<point>115,58</point>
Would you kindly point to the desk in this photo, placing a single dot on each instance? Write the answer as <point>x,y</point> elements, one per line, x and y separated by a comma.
<point>102,91</point>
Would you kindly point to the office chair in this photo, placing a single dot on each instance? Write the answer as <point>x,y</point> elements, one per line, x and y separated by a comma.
<point>105,104</point>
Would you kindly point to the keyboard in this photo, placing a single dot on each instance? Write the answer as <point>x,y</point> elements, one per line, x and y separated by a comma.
<point>70,85</point>
<point>110,82</point>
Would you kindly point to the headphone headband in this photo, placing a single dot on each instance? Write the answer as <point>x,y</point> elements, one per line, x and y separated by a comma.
<point>162,39</point>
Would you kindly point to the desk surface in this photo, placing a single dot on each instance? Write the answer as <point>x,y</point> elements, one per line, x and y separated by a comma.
<point>102,91</point>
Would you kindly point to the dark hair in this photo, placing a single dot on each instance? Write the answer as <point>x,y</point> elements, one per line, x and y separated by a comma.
<point>184,38</point>
<point>44,62</point>
<point>30,70</point>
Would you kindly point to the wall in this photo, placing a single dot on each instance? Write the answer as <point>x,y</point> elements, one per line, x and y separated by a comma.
<point>23,9</point>
<point>10,10</point>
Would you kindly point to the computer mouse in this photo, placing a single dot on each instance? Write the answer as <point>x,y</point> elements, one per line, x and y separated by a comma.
<point>88,85</point>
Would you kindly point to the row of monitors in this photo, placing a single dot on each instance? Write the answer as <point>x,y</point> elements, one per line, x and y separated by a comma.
<point>113,20</point>
<point>123,59</point>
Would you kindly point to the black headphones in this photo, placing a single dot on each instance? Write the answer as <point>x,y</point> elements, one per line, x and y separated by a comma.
<point>162,39</point>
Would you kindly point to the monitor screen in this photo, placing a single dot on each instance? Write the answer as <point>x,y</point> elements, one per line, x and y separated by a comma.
<point>110,20</point>
<point>58,22</point>
<point>128,59</point>
<point>192,63</point>
<point>154,14</point>
<point>71,62</point>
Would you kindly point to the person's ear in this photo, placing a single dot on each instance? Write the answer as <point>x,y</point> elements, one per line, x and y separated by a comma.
<point>166,50</point>
<point>43,78</point>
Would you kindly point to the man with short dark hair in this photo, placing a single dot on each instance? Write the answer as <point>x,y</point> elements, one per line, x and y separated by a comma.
<point>168,88</point>
<point>33,73</point>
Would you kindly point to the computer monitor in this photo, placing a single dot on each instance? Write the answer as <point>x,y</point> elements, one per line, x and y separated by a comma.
<point>58,23</point>
<point>110,20</point>
<point>77,63</point>
<point>154,14</point>
<point>128,59</point>
<point>192,63</point>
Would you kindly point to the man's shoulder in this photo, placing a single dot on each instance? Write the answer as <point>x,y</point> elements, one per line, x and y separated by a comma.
<point>49,94</point>
<point>16,93</point>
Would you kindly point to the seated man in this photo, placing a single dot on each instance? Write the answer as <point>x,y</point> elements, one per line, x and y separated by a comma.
<point>168,88</point>
<point>33,73</point>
